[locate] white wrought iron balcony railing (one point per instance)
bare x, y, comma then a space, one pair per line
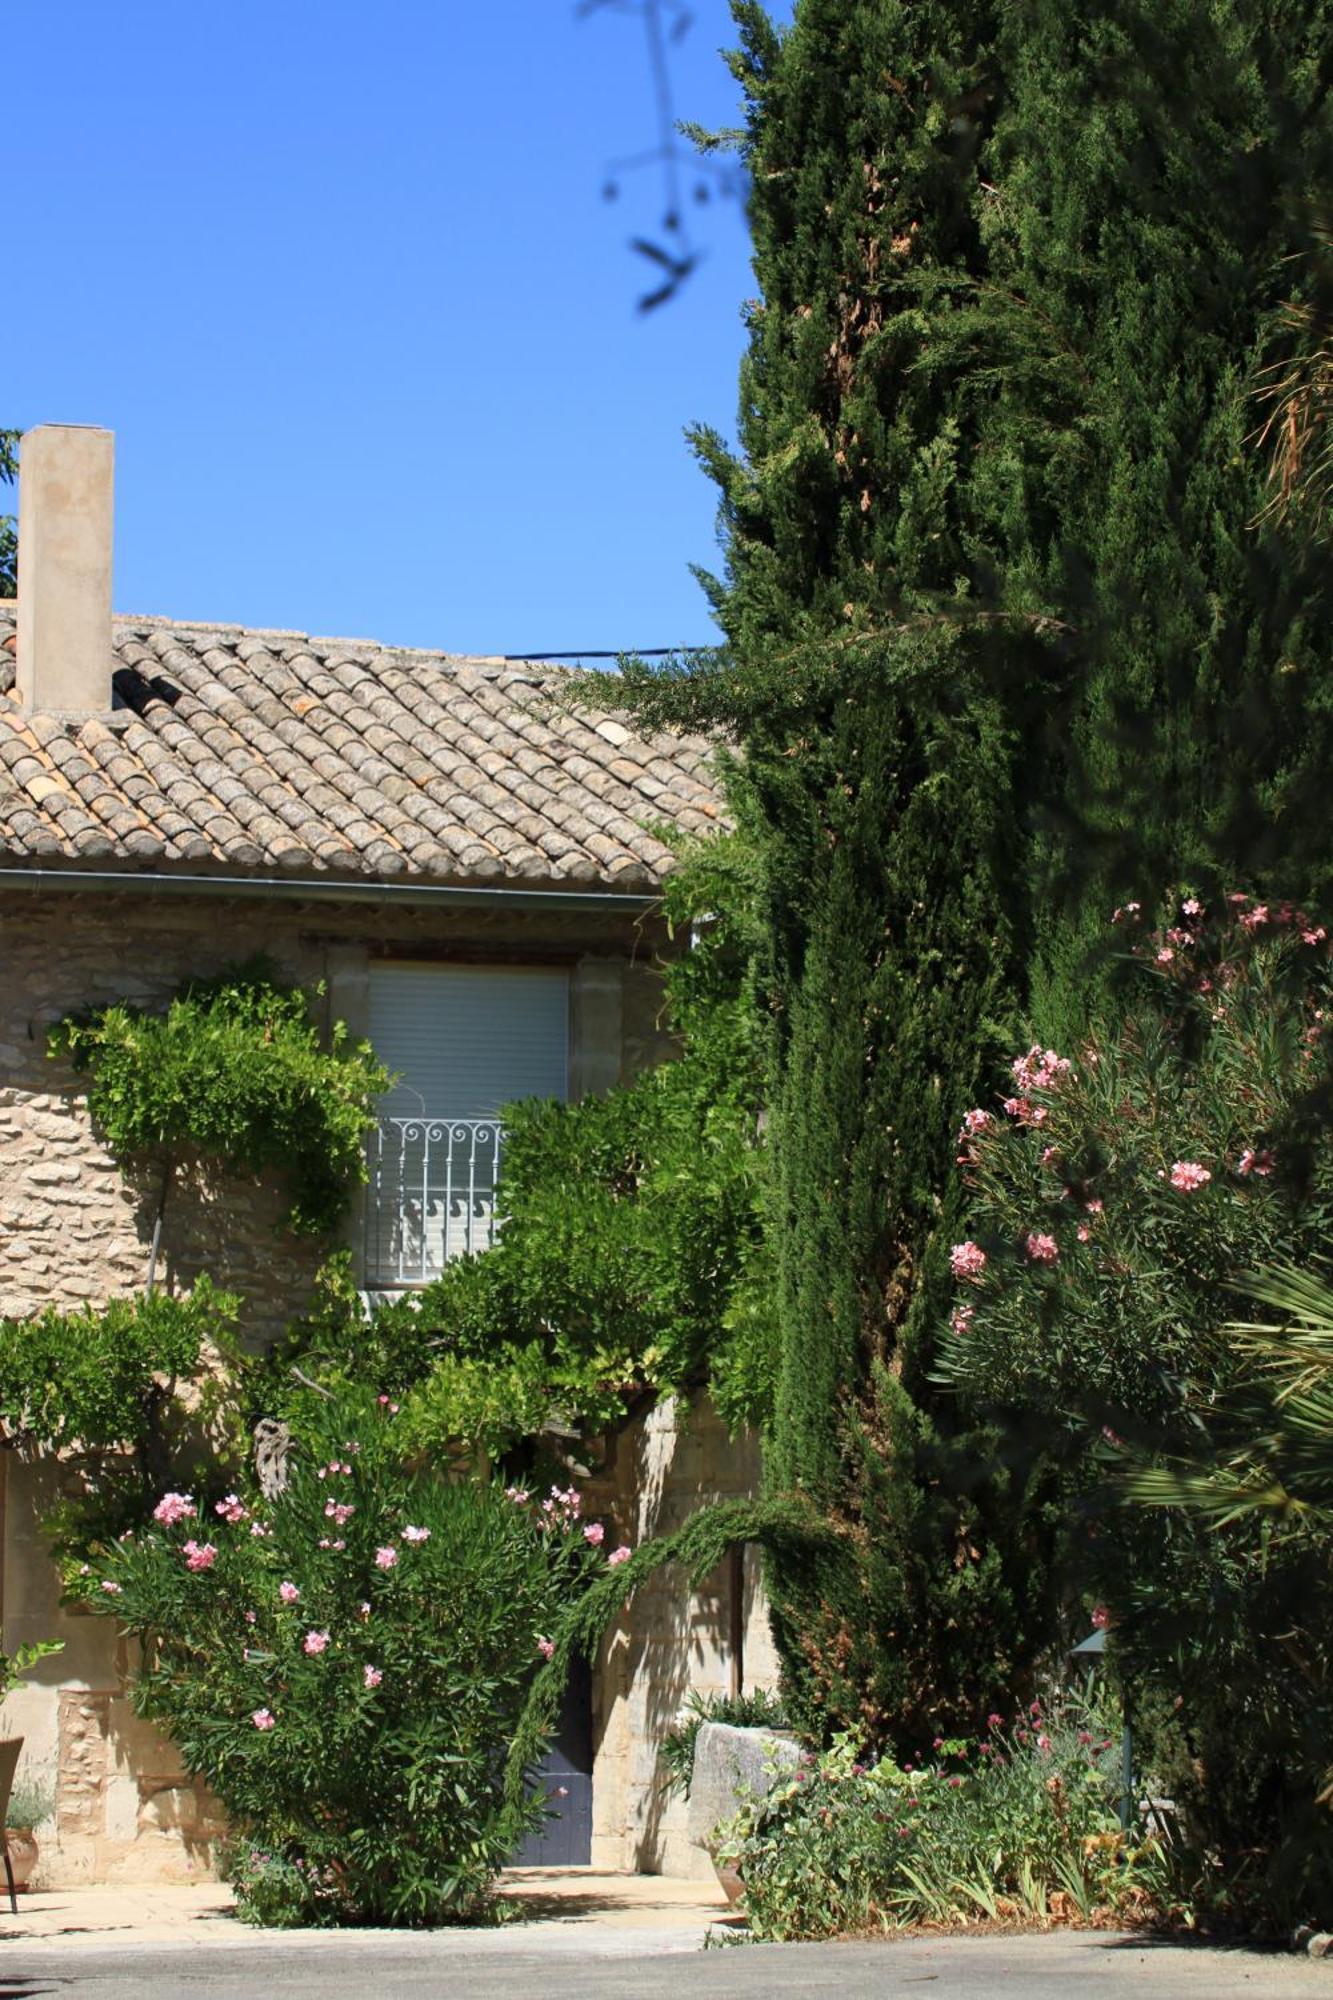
431, 1196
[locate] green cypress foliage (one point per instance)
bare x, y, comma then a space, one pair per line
1007, 639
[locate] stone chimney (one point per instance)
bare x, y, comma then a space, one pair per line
64, 580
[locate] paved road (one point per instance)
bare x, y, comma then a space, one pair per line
461, 1966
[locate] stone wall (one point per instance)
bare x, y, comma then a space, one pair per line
669, 1642
73, 1228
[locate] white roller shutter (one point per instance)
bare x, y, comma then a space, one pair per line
468, 1039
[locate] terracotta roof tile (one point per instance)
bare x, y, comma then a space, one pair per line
272, 751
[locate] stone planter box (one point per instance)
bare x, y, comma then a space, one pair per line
732, 1765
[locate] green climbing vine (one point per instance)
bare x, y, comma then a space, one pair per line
234, 1072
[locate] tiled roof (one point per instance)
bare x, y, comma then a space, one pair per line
262, 753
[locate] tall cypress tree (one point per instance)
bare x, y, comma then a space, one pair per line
1005, 635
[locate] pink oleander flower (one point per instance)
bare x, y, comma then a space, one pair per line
1315, 936
386, 1558
974, 1121
372, 1676
199, 1555
315, 1642
1253, 918
1083, 1232
546, 1647
111, 1589
938, 1744
1192, 906
961, 1318
338, 1512
230, 1509
1129, 910
263, 1718
1187, 1175
1039, 1069
954, 1783
416, 1534
1093, 1207
363, 1610
252, 1617
594, 1533
518, 1494
1101, 1617
618, 1556
967, 1260
174, 1507
995, 1722
1165, 955
1043, 1742
1251, 1162
259, 1530
1041, 1248
288, 1593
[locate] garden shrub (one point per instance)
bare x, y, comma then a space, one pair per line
132, 1387
344, 1665
1020, 1823
1121, 1194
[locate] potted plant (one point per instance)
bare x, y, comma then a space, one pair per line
30, 1803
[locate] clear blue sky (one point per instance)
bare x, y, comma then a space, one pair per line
340, 278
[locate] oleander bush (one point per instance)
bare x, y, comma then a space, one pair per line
1123, 1195
1021, 1824
344, 1663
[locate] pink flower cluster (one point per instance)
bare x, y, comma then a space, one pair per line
230, 1509
594, 1534
416, 1534
174, 1507
288, 1592
315, 1642
334, 1466
618, 1556
1187, 1175
1041, 1248
338, 1513
372, 1676
546, 1647
561, 1507
967, 1260
1039, 1069
974, 1122
386, 1558
263, 1718
1251, 1162
199, 1555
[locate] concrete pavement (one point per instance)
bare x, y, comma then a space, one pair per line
592, 1934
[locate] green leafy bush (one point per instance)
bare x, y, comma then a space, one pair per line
132, 1387
1022, 1823
344, 1664
235, 1073
1120, 1198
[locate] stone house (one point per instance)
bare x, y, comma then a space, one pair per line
469, 870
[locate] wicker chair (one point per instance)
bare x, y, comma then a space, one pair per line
10, 1746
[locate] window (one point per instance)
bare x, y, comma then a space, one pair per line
465, 1041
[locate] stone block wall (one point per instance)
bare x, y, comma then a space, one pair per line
74, 1229
669, 1642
